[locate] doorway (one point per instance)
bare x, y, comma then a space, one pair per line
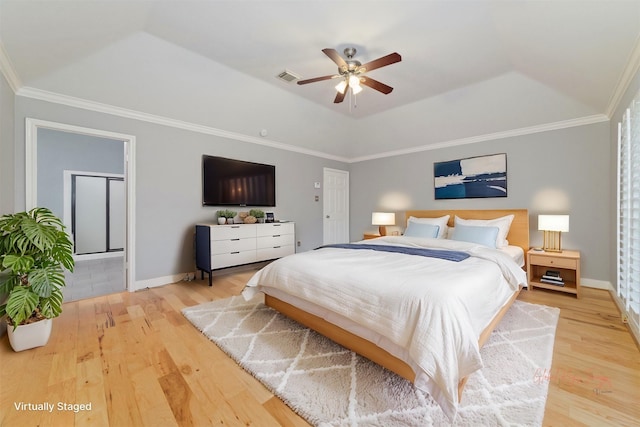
335, 206
62, 161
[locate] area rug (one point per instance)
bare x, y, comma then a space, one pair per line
331, 386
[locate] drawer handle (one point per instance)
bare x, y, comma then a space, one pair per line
233, 240
233, 253
277, 247
277, 225
276, 235
235, 226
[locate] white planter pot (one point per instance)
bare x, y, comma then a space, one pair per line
30, 336
222, 220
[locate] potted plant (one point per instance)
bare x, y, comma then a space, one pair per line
227, 215
258, 214
34, 252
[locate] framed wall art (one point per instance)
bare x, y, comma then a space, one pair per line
473, 177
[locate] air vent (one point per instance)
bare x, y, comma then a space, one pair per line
288, 76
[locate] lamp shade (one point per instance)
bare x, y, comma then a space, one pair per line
553, 223
383, 218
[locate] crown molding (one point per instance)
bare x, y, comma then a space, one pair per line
630, 71
70, 101
489, 137
8, 70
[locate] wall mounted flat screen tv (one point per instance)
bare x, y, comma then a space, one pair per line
229, 182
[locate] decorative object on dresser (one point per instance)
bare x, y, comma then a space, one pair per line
368, 236
382, 219
258, 214
227, 246
552, 226
226, 216
559, 271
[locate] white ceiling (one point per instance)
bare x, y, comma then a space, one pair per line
502, 65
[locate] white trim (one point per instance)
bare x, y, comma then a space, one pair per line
597, 284
71, 101
160, 281
31, 167
597, 118
8, 70
629, 72
102, 255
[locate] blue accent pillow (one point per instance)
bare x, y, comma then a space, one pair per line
485, 236
415, 229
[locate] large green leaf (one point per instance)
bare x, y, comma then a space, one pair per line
7, 282
18, 263
45, 280
21, 304
52, 306
40, 234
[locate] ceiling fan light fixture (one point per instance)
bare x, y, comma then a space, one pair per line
354, 84
342, 86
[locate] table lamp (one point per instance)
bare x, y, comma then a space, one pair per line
382, 219
552, 226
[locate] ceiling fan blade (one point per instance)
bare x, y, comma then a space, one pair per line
392, 58
335, 57
340, 96
315, 79
374, 84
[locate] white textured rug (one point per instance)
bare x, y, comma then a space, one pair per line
331, 386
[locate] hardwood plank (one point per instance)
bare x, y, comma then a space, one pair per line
138, 362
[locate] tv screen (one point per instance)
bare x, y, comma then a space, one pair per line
229, 182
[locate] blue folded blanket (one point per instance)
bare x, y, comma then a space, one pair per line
455, 256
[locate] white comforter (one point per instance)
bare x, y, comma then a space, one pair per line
433, 308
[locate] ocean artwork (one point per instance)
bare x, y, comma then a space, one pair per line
474, 177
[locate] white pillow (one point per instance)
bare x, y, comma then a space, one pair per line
440, 222
503, 224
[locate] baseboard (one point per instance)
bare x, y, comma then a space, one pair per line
192, 275
598, 284
159, 281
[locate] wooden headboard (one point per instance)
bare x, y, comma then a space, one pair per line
518, 233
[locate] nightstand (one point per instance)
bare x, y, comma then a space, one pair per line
370, 236
542, 267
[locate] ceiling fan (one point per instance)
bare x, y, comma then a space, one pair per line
351, 73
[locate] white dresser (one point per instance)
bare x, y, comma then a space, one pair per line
221, 246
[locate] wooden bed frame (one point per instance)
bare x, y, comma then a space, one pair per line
518, 236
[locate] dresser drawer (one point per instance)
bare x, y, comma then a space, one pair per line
275, 228
554, 262
273, 241
232, 245
239, 231
231, 259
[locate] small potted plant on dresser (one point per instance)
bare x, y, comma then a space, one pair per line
34, 252
226, 216
258, 214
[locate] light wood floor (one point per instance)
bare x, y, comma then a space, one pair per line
139, 362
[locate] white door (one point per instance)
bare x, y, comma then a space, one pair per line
335, 207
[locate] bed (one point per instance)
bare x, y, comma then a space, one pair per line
420, 316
